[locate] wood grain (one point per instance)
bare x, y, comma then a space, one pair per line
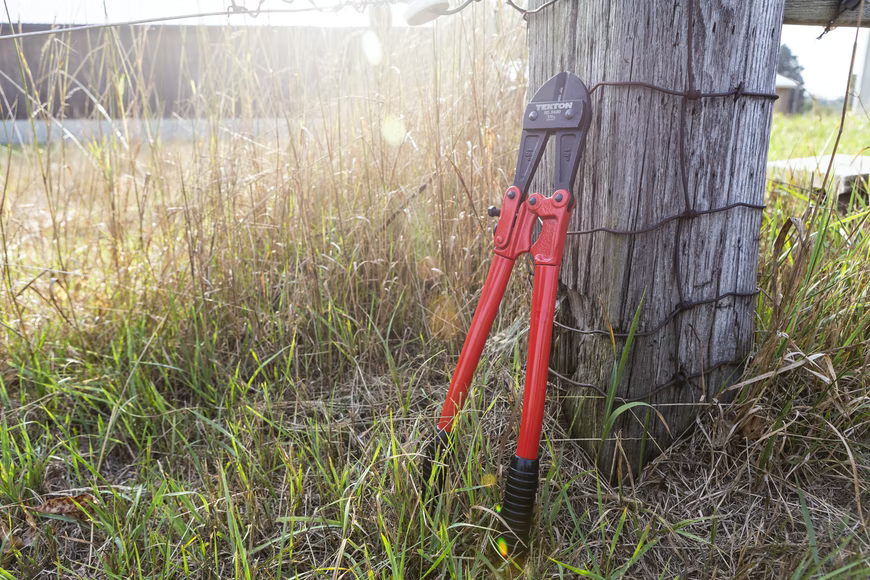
820, 13
630, 178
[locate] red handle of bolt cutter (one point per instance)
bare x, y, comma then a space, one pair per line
481, 324
540, 339
518, 506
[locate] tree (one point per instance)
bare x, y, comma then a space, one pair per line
788, 65
693, 278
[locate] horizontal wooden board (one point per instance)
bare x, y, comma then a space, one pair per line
820, 13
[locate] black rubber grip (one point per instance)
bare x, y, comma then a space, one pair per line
436, 447
518, 507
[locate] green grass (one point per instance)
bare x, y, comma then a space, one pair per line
240, 346
812, 134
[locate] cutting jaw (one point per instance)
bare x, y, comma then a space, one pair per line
559, 109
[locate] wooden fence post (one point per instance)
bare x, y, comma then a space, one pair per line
651, 156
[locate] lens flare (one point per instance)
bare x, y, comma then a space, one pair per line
501, 542
393, 130
372, 49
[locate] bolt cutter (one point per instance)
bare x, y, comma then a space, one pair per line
560, 111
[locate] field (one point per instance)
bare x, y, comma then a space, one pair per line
231, 349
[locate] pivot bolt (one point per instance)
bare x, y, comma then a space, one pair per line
512, 194
533, 200
558, 197
533, 115
569, 114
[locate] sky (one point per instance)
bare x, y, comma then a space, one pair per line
825, 61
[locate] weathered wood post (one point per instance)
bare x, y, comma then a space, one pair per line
652, 156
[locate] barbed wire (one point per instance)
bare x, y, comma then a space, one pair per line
236, 9
230, 11
358, 5
526, 12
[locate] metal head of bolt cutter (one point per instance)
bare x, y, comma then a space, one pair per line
561, 111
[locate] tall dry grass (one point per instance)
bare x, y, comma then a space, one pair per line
352, 200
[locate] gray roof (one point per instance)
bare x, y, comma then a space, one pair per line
786, 83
